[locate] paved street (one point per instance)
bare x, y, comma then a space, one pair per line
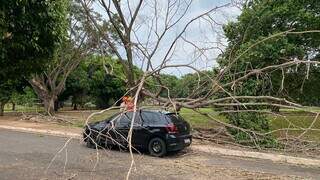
27, 156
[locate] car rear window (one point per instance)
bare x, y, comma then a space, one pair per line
175, 118
153, 118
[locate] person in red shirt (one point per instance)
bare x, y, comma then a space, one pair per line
127, 104
130, 104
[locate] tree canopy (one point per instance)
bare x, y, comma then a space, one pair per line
269, 33
90, 82
30, 31
264, 18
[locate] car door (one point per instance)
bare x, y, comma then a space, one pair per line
122, 126
151, 125
138, 132
109, 130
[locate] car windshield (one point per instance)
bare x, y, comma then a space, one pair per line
125, 117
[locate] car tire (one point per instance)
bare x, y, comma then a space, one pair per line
157, 147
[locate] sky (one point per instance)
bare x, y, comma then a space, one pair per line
205, 33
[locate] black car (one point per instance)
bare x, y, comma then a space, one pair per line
155, 131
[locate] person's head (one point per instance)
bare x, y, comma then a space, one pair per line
125, 99
129, 99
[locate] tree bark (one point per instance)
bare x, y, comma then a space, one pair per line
2, 108
13, 106
56, 105
49, 105
75, 107
47, 95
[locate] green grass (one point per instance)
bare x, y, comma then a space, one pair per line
95, 118
297, 121
197, 120
20, 108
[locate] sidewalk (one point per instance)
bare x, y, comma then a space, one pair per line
64, 131
41, 128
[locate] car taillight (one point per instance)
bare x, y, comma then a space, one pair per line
172, 129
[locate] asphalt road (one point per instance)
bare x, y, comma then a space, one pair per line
27, 156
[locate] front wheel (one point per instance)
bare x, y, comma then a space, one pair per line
157, 147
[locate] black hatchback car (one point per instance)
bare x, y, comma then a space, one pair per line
155, 131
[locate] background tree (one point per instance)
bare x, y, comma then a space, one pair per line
106, 86
93, 82
6, 90
81, 41
30, 32
77, 86
262, 19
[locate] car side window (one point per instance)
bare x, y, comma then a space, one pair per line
101, 125
122, 121
137, 118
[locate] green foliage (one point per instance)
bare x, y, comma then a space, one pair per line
6, 90
169, 82
77, 86
255, 122
261, 19
26, 98
29, 33
193, 84
90, 82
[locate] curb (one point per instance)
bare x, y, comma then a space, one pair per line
41, 131
258, 155
202, 148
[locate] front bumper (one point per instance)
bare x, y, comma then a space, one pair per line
175, 143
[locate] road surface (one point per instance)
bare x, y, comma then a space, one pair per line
27, 156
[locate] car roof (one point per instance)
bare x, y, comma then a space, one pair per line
157, 111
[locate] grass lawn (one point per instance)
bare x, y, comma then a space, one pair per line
20, 108
296, 121
197, 120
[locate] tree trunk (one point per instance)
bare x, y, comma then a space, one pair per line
47, 95
75, 106
13, 106
56, 105
2, 108
49, 105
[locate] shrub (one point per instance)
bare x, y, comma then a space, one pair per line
253, 122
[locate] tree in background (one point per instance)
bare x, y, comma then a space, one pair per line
6, 90
261, 19
30, 32
77, 86
93, 82
25, 97
80, 42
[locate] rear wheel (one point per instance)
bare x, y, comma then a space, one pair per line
157, 147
